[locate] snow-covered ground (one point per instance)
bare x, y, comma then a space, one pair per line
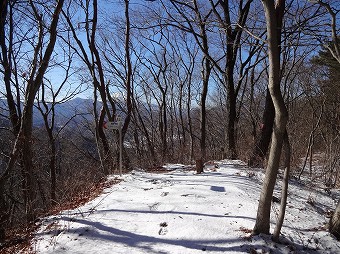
180, 212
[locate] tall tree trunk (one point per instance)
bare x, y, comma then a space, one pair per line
6, 63
262, 224
100, 135
190, 127
262, 144
231, 91
128, 81
206, 71
27, 159
5, 54
144, 129
233, 39
23, 141
3, 209
263, 140
203, 116
231, 131
53, 171
201, 38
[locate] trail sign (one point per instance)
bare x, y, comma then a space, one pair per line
117, 125
113, 125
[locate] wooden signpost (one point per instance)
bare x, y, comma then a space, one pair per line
117, 125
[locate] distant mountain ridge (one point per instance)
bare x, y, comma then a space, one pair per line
79, 109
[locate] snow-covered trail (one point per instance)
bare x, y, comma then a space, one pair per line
177, 212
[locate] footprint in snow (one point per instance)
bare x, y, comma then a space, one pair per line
163, 230
154, 207
164, 194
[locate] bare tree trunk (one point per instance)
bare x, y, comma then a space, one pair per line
233, 38
262, 144
201, 38
52, 144
206, 71
190, 128
27, 159
163, 124
310, 145
263, 140
284, 191
23, 141
334, 223
96, 70
6, 63
231, 130
205, 80
199, 166
94, 64
128, 81
147, 137
262, 224
5, 54
3, 209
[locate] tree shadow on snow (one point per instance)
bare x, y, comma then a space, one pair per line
152, 244
155, 212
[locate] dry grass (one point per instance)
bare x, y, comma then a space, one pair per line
18, 240
84, 195
246, 230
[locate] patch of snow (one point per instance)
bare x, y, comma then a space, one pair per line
184, 212
177, 167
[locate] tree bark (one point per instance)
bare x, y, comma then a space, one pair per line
24, 141
6, 63
93, 62
262, 224
263, 140
231, 130
206, 73
310, 145
334, 223
233, 38
13, 114
284, 191
261, 146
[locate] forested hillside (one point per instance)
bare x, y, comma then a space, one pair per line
90, 87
